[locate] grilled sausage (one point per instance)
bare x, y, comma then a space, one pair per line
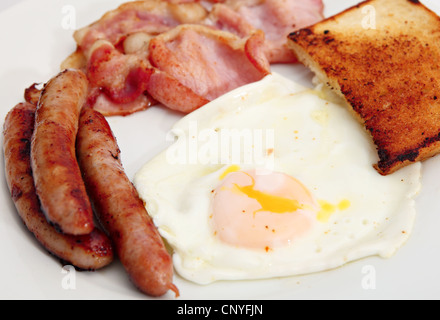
57, 176
32, 94
120, 210
88, 252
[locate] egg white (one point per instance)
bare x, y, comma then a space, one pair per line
316, 141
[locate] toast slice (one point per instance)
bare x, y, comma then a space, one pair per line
383, 58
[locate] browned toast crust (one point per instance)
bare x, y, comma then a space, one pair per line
390, 76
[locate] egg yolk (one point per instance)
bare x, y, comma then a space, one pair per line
261, 210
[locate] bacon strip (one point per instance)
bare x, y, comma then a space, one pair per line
276, 18
102, 103
143, 52
117, 81
149, 16
206, 62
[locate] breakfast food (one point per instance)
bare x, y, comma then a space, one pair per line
149, 18
75, 157
183, 54
88, 252
140, 54
274, 17
382, 58
56, 173
308, 200
119, 208
195, 64
271, 180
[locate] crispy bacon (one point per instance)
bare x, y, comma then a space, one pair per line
117, 81
190, 66
184, 53
123, 77
102, 103
149, 16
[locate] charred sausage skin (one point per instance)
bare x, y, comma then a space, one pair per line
120, 210
88, 252
57, 176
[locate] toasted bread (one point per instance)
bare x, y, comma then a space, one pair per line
383, 58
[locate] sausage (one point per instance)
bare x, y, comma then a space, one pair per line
87, 252
119, 208
32, 94
57, 176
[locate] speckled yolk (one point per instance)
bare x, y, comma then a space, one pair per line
265, 211
260, 210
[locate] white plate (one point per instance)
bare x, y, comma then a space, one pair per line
36, 36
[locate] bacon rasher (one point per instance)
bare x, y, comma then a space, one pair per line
184, 53
276, 18
149, 16
203, 64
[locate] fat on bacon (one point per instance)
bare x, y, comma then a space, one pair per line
204, 64
184, 53
276, 18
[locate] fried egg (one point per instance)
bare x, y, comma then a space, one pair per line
273, 180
